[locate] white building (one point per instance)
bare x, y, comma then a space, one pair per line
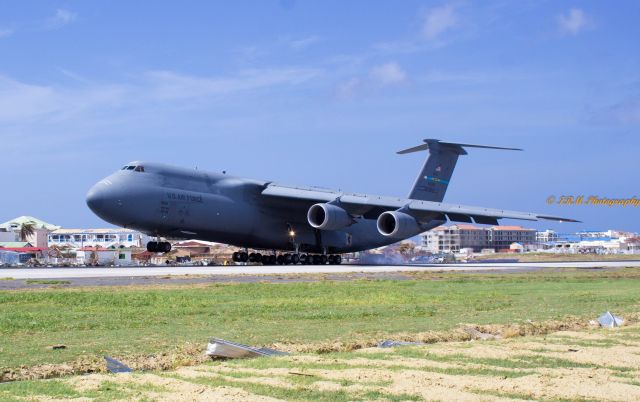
8, 236
104, 238
546, 236
10, 231
101, 256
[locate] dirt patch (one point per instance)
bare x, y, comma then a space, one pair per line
176, 390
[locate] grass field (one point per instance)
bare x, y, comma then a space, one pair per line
125, 322
591, 365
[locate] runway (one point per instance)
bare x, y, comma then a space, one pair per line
116, 272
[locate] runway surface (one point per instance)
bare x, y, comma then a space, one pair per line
67, 273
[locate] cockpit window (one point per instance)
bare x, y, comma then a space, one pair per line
124, 168
130, 167
139, 169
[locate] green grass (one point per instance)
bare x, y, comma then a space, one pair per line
46, 282
57, 389
124, 321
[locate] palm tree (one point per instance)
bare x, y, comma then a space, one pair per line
27, 229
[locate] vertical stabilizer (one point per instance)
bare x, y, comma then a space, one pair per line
434, 178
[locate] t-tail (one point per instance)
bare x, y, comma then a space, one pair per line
433, 180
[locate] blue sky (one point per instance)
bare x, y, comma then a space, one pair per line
323, 93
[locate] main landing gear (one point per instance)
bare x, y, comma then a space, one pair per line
286, 259
158, 247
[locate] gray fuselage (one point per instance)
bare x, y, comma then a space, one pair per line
174, 202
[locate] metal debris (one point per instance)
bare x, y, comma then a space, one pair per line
391, 344
115, 366
609, 320
219, 348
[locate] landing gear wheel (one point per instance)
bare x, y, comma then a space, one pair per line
316, 260
288, 259
280, 259
337, 260
244, 257
331, 260
295, 259
252, 257
166, 247
257, 258
323, 259
152, 247
273, 260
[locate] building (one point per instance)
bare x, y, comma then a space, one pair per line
10, 230
546, 236
501, 237
104, 238
102, 256
8, 236
451, 239
455, 238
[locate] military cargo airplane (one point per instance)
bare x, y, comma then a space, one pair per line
312, 225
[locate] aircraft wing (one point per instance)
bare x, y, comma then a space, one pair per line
370, 206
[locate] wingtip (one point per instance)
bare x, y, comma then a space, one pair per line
558, 219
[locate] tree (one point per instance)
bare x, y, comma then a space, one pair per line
27, 229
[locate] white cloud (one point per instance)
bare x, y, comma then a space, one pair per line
167, 85
388, 74
439, 20
574, 21
5, 32
61, 18
349, 89
22, 102
380, 76
303, 43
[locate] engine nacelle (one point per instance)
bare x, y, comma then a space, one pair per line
397, 225
328, 217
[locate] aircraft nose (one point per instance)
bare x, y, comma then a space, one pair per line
96, 197
101, 198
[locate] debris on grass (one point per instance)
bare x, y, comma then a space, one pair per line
57, 347
392, 344
219, 348
191, 354
116, 367
608, 320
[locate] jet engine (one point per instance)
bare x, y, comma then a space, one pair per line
328, 217
398, 225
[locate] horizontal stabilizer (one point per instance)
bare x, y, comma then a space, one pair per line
429, 143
